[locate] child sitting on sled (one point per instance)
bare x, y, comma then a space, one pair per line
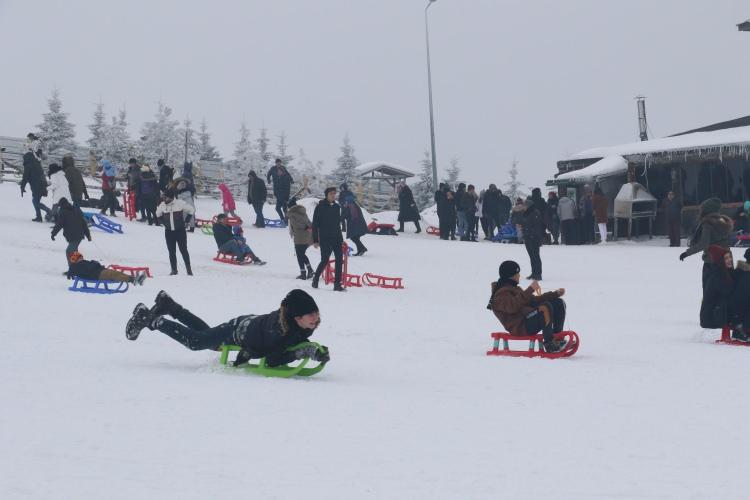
231, 240
259, 336
93, 270
522, 313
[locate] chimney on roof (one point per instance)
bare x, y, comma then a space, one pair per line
642, 124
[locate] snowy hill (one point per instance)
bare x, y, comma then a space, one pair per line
409, 407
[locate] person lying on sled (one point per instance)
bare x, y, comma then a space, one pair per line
259, 336
93, 270
522, 313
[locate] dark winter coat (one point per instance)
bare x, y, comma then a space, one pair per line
75, 180
440, 198
468, 203
458, 196
222, 233
552, 204
166, 175
716, 294
149, 186
533, 222
263, 337
714, 229
256, 191
326, 223
86, 269
300, 226
672, 211
134, 179
355, 221
491, 203
601, 208
740, 300
510, 303
72, 222
282, 186
407, 207
505, 206
33, 175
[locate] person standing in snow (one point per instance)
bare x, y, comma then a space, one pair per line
58, 187
739, 302
469, 206
185, 191
407, 208
227, 201
491, 211
504, 211
356, 227
673, 218
300, 229
522, 313
149, 194
175, 215
326, 234
282, 187
74, 227
260, 336
256, 196
586, 214
133, 175
566, 212
109, 199
166, 175
601, 206
714, 228
534, 231
33, 175
553, 220
75, 181
717, 288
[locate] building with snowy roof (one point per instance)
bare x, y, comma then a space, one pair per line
702, 163
379, 181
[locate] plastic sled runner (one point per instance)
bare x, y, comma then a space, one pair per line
230, 258
99, 221
282, 371
533, 351
98, 286
131, 270
726, 338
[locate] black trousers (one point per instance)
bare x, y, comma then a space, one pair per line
673, 227
301, 252
534, 321
108, 201
177, 239
260, 221
532, 248
194, 333
358, 242
445, 226
567, 230
326, 248
281, 207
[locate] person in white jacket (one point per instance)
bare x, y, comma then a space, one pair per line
175, 215
59, 188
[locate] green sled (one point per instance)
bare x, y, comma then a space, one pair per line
207, 230
283, 371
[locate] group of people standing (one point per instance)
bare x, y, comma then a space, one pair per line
463, 211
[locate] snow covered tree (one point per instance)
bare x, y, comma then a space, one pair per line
191, 147
513, 185
262, 145
245, 159
56, 131
98, 129
423, 194
207, 151
453, 173
160, 138
282, 150
116, 145
346, 164
312, 171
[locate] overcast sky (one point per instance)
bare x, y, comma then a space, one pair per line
534, 80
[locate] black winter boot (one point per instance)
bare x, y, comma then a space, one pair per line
164, 304
138, 321
302, 275
315, 280
338, 288
310, 271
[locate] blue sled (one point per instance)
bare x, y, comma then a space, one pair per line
98, 286
506, 234
100, 222
275, 223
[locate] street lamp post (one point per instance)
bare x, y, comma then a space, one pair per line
429, 88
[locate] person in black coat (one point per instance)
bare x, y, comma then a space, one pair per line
74, 227
672, 218
33, 175
407, 209
739, 301
256, 196
440, 208
149, 194
718, 284
166, 175
534, 232
260, 336
491, 211
282, 187
326, 233
505, 206
356, 227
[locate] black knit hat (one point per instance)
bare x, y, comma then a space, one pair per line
298, 303
160, 163
508, 269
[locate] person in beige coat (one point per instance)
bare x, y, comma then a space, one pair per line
300, 229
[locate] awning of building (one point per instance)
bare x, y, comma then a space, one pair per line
383, 169
609, 165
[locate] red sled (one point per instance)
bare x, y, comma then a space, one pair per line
347, 280
230, 258
131, 270
230, 221
726, 337
370, 279
128, 204
202, 222
533, 351
435, 231
386, 229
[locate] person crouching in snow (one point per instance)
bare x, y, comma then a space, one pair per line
230, 240
521, 313
739, 302
259, 336
227, 201
93, 270
718, 285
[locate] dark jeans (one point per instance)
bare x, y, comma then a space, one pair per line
108, 202
236, 248
281, 208
260, 221
532, 248
401, 227
674, 233
534, 321
471, 227
326, 248
586, 234
491, 223
446, 222
38, 206
360, 246
194, 333
177, 239
567, 229
72, 247
555, 229
302, 260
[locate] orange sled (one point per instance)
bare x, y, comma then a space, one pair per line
533, 351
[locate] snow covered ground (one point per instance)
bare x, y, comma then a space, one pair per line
409, 407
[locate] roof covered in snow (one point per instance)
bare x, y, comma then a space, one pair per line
387, 169
686, 142
609, 165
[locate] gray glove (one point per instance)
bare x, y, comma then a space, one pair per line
313, 352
